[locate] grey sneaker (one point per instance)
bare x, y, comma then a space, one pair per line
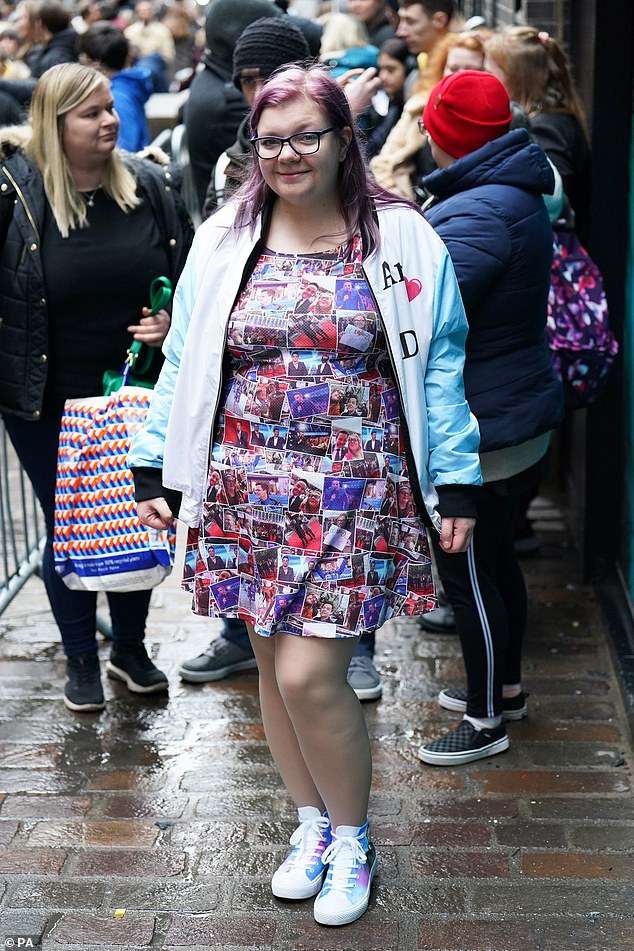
221, 658
439, 621
364, 678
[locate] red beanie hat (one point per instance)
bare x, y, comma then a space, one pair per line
466, 110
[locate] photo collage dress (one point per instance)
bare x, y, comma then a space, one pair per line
309, 525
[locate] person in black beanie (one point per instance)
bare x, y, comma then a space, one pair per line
215, 107
262, 47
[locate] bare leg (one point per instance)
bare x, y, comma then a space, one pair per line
278, 728
314, 723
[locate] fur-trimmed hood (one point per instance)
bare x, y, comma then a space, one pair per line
13, 138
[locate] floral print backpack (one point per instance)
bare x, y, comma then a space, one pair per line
582, 346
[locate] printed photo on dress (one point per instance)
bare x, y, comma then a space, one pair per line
308, 401
357, 332
267, 490
353, 294
303, 531
341, 494
339, 528
311, 438
266, 560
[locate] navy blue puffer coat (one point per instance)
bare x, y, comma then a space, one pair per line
490, 213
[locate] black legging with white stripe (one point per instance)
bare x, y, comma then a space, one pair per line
486, 588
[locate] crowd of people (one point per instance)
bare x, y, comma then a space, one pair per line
378, 189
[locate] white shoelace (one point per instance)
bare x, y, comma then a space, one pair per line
307, 836
344, 855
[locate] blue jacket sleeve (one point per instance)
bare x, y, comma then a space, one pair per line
148, 444
454, 437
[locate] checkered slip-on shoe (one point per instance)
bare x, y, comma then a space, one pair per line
301, 874
513, 708
464, 745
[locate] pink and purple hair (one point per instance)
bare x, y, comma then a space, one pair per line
359, 193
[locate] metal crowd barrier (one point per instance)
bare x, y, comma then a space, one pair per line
22, 531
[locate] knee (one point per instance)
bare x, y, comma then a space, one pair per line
302, 689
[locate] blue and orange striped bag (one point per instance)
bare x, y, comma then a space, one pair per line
99, 543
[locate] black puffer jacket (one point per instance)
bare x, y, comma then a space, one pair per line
23, 303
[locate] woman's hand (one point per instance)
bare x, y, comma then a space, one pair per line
151, 330
155, 513
360, 91
455, 534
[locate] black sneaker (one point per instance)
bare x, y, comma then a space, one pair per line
513, 708
464, 745
83, 692
134, 667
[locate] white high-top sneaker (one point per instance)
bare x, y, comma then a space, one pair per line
352, 861
302, 872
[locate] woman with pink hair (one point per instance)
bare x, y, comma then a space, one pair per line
309, 201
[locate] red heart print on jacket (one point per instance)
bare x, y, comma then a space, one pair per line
414, 287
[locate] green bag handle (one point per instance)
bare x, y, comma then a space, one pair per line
160, 296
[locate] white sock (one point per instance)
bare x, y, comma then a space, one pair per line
308, 812
354, 832
511, 690
483, 723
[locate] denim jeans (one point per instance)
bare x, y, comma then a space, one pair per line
74, 611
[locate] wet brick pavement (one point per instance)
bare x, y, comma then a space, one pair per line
172, 810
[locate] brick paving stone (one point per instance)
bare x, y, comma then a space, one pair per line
556, 754
7, 831
469, 808
32, 861
93, 832
448, 834
578, 865
365, 935
553, 782
544, 730
129, 863
57, 895
598, 933
173, 897
531, 834
187, 834
104, 929
567, 709
133, 806
34, 757
613, 838
531, 897
459, 864
36, 781
216, 931
600, 810
43, 806
436, 935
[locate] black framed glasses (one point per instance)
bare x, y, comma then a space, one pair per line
421, 128
302, 143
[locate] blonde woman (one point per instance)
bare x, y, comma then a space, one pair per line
82, 234
402, 159
536, 73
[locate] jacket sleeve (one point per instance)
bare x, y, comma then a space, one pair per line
454, 437
478, 244
146, 451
